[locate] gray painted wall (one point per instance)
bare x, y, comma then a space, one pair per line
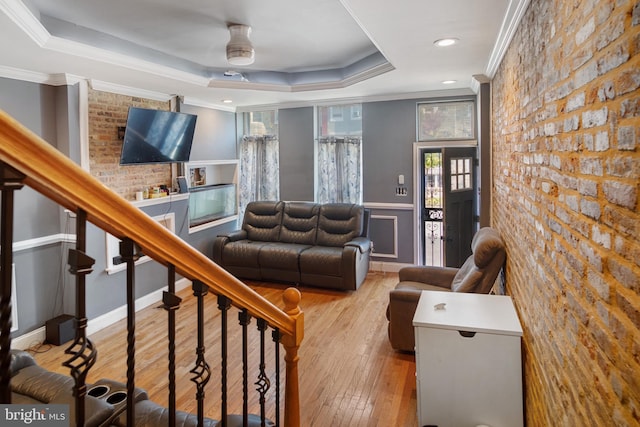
296, 154
38, 272
388, 134
389, 131
215, 134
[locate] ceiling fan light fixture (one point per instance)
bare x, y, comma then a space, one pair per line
239, 49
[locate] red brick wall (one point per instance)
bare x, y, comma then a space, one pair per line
566, 172
107, 111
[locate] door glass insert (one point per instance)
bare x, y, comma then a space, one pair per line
461, 171
433, 209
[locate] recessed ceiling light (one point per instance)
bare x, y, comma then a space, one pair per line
446, 42
448, 82
227, 101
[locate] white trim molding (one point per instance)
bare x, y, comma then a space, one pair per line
510, 23
129, 91
394, 254
389, 206
52, 239
38, 336
387, 267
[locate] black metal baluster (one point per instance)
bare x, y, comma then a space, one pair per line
263, 382
224, 304
130, 254
244, 318
201, 371
171, 303
10, 180
276, 339
83, 352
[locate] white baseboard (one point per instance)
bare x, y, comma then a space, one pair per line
387, 267
38, 336
30, 339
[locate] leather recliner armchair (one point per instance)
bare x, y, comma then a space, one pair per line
478, 275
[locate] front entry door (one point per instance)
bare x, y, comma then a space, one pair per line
448, 204
460, 191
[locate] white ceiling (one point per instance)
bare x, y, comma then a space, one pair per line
307, 51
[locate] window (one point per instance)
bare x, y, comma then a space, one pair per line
446, 120
461, 174
261, 123
259, 175
339, 154
335, 114
340, 120
356, 112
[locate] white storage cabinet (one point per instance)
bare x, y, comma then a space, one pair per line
468, 360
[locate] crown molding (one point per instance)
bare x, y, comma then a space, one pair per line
510, 23
187, 100
129, 91
59, 79
24, 18
418, 96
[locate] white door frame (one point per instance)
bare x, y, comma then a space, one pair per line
418, 229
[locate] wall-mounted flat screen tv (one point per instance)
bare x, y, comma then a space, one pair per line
154, 136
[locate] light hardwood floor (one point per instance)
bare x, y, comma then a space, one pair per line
349, 375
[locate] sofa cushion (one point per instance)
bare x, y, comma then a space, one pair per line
281, 256
467, 278
242, 253
43, 385
299, 223
323, 260
339, 223
262, 221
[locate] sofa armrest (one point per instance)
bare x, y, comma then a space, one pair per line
362, 243
437, 276
222, 239
400, 312
235, 235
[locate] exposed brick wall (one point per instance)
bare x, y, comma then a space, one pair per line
107, 111
566, 173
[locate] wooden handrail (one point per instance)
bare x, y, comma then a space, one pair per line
57, 177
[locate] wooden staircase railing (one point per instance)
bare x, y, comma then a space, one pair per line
25, 159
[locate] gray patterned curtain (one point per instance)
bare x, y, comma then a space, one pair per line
340, 170
259, 170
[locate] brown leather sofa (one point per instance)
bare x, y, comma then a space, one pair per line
478, 275
323, 245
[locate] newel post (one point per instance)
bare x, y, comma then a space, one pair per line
291, 344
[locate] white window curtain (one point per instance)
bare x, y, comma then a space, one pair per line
259, 170
340, 170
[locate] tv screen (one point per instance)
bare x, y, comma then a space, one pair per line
153, 136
